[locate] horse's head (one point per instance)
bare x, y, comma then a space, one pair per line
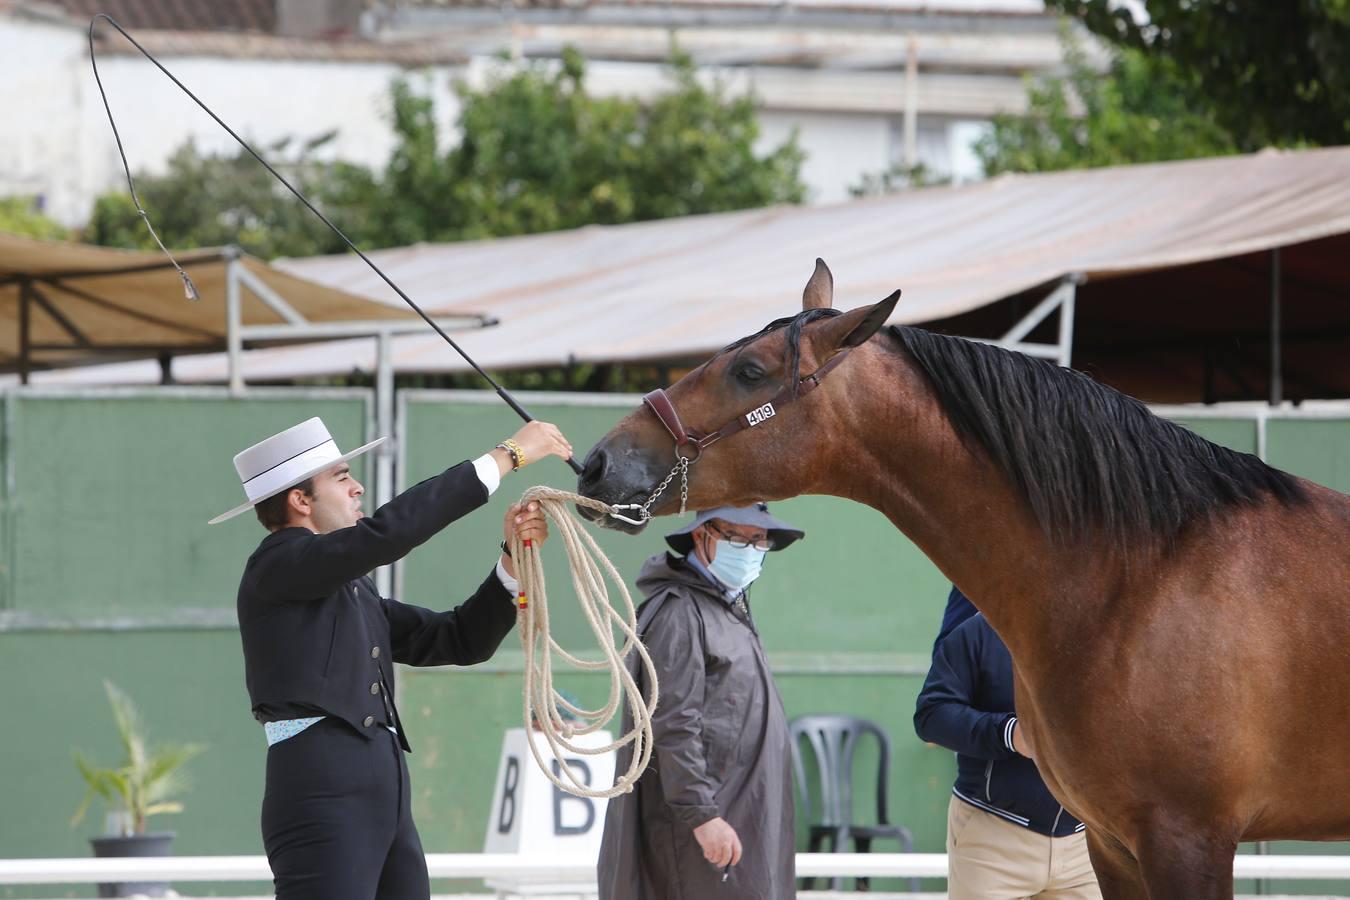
748, 420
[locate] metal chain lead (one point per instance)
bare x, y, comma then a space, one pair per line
644, 509
681, 467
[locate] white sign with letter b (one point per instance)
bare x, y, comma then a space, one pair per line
531, 815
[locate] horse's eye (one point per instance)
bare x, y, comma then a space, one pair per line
750, 374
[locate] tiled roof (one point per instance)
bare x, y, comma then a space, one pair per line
223, 45
181, 15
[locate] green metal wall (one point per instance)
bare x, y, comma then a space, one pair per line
110, 571
109, 496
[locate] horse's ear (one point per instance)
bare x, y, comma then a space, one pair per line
853, 327
819, 293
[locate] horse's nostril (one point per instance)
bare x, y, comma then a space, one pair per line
593, 470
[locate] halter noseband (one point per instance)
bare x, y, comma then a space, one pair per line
658, 401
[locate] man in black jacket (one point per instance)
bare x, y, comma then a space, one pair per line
320, 644
1007, 836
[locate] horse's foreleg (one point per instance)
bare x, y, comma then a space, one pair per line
1118, 873
1182, 862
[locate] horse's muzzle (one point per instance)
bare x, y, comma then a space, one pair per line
601, 479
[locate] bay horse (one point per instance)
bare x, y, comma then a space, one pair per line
1178, 613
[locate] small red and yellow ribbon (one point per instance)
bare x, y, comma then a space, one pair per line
522, 602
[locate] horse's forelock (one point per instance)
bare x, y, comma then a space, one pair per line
793, 340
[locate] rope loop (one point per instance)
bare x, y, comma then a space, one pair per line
590, 569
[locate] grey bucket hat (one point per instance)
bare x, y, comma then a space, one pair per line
754, 516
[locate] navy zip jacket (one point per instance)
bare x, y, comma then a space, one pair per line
966, 705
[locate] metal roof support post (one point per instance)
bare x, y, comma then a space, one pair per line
1062, 299
25, 328
1066, 323
384, 425
234, 340
1276, 375
263, 292
911, 150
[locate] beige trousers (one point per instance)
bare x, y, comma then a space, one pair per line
989, 858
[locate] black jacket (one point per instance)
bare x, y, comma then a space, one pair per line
318, 638
966, 705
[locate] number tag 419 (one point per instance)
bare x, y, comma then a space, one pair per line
759, 416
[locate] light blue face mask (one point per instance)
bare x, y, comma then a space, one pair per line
736, 567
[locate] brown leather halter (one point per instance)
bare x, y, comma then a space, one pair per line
659, 403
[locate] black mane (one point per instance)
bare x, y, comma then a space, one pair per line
1089, 460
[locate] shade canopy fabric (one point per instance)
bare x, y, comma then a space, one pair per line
84, 303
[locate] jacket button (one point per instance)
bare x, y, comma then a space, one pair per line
374, 652
368, 721
375, 688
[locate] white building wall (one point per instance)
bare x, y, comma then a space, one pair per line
55, 141
42, 144
840, 148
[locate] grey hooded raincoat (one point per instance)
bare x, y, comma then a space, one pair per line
721, 750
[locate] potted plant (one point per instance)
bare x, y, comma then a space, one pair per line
142, 786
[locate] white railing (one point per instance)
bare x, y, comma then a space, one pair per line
565, 870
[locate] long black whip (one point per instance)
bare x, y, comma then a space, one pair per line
191, 289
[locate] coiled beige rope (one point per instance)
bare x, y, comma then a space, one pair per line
589, 567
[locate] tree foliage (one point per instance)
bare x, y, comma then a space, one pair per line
20, 215
1273, 72
899, 177
535, 153
209, 200
1139, 110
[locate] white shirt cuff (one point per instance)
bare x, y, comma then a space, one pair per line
488, 473
507, 581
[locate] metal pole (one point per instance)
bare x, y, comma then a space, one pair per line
25, 325
234, 342
912, 103
384, 425
1066, 323
1262, 848
1276, 378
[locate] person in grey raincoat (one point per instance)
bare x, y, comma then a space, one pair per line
712, 817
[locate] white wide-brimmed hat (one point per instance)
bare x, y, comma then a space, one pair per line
286, 459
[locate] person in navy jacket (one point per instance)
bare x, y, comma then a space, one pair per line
1007, 836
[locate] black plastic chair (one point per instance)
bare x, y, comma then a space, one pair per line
833, 740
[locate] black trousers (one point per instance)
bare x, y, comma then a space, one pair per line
336, 822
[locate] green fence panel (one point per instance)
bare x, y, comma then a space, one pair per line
1236, 433
113, 491
104, 542
189, 687
1318, 449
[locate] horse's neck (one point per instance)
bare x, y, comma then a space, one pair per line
960, 511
